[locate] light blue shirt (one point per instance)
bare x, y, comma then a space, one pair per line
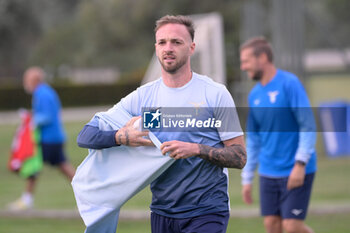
192, 186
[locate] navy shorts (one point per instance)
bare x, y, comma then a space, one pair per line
53, 154
209, 223
275, 199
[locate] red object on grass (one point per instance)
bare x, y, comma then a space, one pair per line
23, 144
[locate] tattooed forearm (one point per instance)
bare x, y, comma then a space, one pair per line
126, 138
233, 156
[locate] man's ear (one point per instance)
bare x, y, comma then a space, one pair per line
263, 58
192, 47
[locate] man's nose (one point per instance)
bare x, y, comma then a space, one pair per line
169, 47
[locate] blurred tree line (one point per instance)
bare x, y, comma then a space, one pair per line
91, 33
117, 33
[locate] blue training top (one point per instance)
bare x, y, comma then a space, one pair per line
280, 128
47, 114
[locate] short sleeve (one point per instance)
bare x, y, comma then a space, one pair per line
226, 111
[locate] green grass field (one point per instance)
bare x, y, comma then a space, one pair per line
338, 223
332, 185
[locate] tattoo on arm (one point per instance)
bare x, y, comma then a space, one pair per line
126, 138
122, 134
233, 156
119, 139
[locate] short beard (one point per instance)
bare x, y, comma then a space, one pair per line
173, 70
258, 75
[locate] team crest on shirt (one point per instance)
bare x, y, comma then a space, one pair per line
197, 105
273, 96
256, 101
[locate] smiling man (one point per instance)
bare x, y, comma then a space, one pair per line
191, 195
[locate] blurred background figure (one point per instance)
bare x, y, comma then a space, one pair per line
286, 156
46, 110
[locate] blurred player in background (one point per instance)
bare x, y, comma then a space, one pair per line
46, 111
280, 138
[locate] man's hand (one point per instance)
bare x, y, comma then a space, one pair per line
130, 136
179, 149
247, 194
296, 177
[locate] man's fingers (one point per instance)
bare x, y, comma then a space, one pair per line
174, 154
146, 142
132, 121
165, 144
141, 142
168, 144
290, 183
162, 146
142, 133
165, 148
294, 184
247, 198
